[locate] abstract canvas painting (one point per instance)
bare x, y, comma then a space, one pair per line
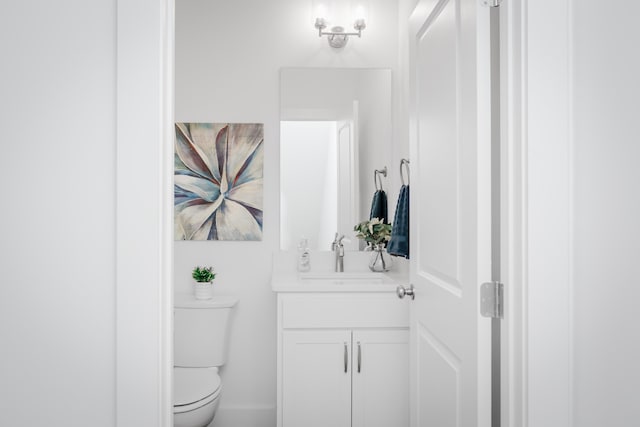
218, 174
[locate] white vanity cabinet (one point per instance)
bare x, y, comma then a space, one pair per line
342, 360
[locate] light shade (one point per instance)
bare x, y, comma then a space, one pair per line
320, 10
359, 10
338, 15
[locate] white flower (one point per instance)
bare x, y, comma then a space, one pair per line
373, 222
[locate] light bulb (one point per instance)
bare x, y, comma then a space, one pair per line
359, 13
321, 10
320, 13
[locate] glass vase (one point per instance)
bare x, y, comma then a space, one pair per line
380, 260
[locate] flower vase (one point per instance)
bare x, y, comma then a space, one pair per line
380, 259
203, 290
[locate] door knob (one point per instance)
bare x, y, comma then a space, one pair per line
402, 291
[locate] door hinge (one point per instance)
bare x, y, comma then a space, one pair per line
492, 300
491, 3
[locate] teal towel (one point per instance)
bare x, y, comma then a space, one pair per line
379, 206
399, 243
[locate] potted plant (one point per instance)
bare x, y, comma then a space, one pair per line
204, 282
376, 233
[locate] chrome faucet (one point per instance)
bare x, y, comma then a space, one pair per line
338, 248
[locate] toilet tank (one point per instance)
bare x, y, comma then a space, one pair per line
201, 330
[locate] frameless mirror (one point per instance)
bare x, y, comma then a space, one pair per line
335, 131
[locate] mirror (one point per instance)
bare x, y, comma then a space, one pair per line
335, 131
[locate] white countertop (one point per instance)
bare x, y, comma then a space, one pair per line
356, 277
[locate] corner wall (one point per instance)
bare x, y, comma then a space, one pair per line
58, 244
228, 57
606, 175
583, 344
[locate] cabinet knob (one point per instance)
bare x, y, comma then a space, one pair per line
403, 291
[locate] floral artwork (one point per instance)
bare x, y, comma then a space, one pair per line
218, 181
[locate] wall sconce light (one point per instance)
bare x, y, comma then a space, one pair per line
324, 13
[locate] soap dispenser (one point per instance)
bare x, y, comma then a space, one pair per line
304, 256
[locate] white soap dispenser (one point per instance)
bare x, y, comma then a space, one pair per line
304, 255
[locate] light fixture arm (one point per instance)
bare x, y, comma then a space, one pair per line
337, 33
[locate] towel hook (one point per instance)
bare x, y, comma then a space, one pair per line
377, 179
404, 162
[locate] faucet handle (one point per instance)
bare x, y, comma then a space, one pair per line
337, 242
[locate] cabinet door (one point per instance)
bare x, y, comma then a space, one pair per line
381, 378
316, 388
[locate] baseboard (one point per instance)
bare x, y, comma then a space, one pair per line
245, 416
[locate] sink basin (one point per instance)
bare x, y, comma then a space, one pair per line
352, 278
356, 278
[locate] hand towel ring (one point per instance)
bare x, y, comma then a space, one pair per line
404, 162
376, 177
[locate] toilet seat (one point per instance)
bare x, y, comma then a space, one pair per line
194, 388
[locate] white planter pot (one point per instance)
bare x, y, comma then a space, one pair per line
203, 290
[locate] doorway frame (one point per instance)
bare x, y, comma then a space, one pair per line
537, 134
513, 213
145, 99
144, 213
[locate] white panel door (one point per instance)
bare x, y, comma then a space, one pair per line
380, 378
450, 213
316, 378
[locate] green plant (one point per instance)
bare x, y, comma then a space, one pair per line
203, 274
374, 231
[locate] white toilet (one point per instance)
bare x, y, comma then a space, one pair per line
201, 334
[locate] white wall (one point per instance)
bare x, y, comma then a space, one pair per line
376, 143
606, 217
548, 184
228, 56
57, 245
84, 307
582, 110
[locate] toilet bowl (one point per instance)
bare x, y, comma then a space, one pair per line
196, 396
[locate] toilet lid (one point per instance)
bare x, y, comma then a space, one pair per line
194, 384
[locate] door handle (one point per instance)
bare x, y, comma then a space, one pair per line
346, 357
359, 356
403, 291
